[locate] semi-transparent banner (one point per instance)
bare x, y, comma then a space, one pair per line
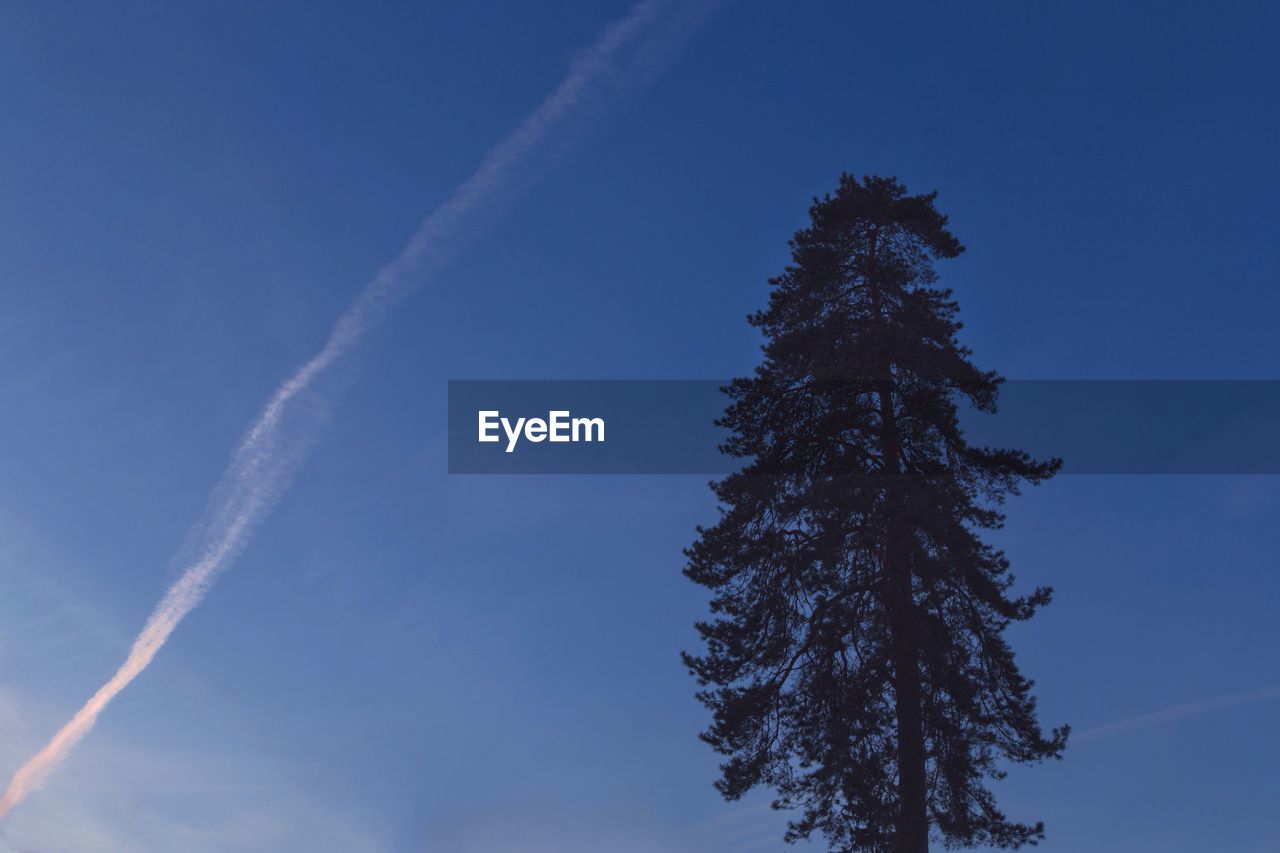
667, 426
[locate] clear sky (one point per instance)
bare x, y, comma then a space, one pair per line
408, 661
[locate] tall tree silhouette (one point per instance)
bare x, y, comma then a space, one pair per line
855, 661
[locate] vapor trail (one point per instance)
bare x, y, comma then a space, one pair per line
1177, 712
626, 54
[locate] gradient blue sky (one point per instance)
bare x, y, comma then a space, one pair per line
408, 661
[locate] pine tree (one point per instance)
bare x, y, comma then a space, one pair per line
855, 661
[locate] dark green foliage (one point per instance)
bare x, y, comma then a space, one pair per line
855, 661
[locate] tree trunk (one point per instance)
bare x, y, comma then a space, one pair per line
913, 816
913, 819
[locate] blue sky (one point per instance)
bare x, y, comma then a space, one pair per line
408, 661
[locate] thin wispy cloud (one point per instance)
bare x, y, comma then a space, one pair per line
1177, 712
626, 55
216, 798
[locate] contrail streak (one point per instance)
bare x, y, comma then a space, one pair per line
1177, 712
624, 56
